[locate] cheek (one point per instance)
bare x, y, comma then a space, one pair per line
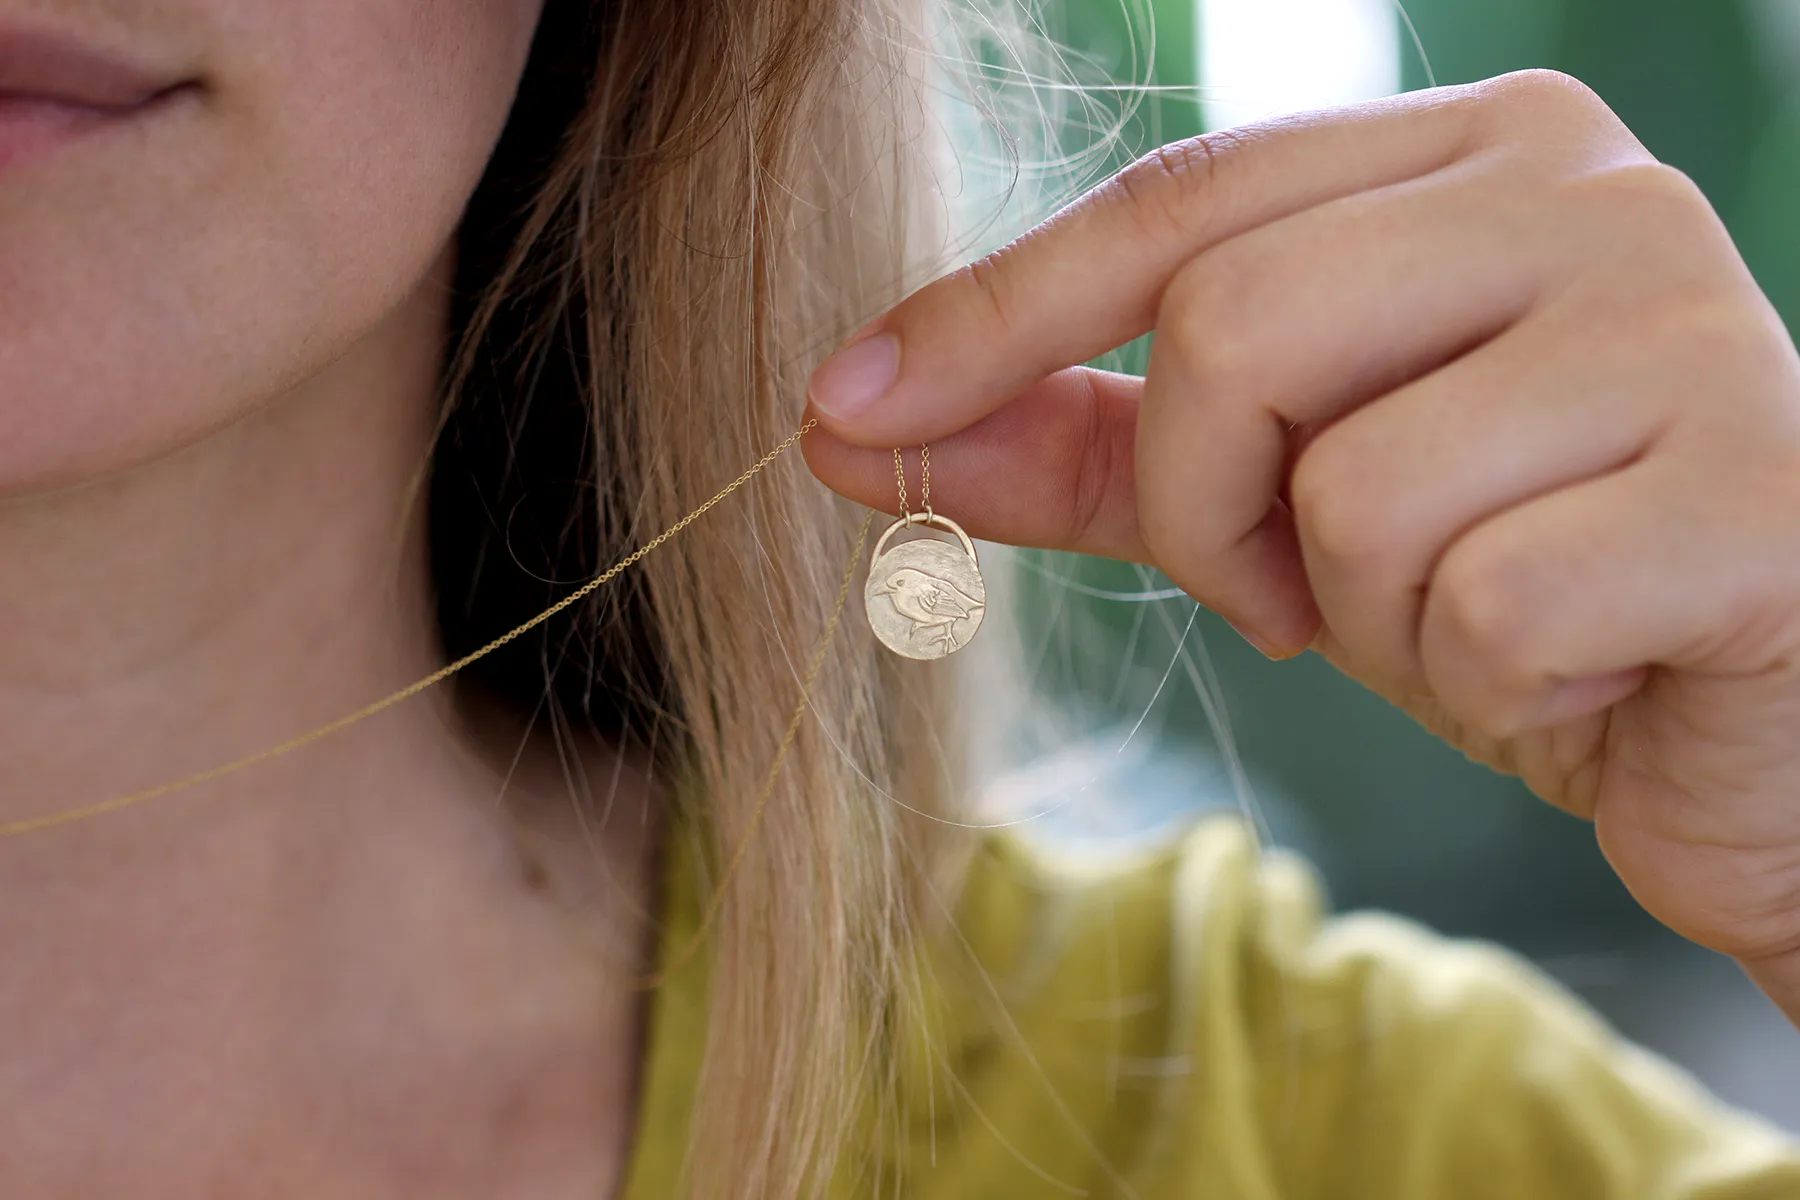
161, 278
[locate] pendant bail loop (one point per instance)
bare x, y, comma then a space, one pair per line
925, 597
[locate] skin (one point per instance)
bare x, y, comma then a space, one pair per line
363, 970
1464, 391
347, 973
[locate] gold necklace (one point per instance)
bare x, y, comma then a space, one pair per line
68, 816
925, 597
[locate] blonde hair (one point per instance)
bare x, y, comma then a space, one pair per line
731, 196
694, 201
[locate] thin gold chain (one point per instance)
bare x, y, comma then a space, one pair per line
717, 900
50, 820
924, 482
925, 479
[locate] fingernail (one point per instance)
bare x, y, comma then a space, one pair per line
1267, 648
853, 379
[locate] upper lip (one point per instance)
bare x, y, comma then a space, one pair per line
41, 65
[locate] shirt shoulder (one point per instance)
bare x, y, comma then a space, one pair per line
1186, 1022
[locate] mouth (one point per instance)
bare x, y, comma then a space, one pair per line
54, 87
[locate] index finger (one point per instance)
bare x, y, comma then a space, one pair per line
1091, 277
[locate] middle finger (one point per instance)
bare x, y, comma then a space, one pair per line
1303, 321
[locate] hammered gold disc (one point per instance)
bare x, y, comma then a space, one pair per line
925, 597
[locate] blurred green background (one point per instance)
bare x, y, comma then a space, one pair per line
1393, 818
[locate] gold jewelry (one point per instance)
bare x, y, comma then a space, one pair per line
925, 597
51, 820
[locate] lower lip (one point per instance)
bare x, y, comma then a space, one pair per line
32, 127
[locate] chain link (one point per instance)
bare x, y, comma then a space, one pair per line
924, 482
900, 480
925, 479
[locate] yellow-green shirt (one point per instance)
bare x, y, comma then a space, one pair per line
1187, 1025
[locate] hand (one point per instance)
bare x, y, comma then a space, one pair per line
1462, 389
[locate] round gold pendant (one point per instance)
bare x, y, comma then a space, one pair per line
925, 597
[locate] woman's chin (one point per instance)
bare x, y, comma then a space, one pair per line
78, 432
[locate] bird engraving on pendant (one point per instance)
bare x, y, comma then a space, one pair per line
925, 597
936, 607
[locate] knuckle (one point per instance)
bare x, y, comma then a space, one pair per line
1329, 504
1721, 350
992, 280
1652, 195
1339, 516
1201, 317
1559, 116
1718, 336
1163, 193
1482, 599
1539, 91
1105, 459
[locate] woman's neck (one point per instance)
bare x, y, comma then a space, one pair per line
358, 901
256, 582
